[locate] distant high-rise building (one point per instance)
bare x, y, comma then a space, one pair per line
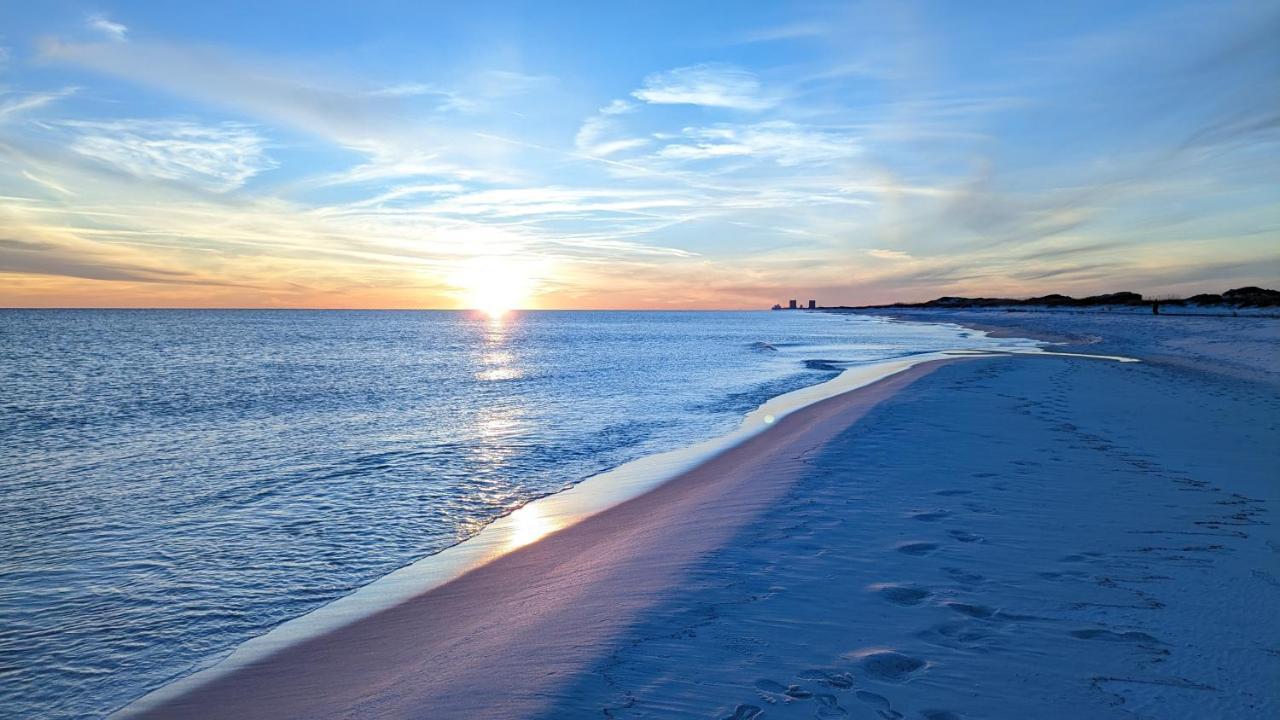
792, 305
813, 304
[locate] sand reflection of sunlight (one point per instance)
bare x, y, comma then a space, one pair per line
528, 524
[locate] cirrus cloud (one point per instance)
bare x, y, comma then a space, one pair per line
710, 84
786, 143
216, 157
108, 27
885, 254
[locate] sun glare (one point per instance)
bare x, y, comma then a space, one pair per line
495, 285
528, 524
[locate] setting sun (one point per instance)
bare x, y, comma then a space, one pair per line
495, 285
555, 360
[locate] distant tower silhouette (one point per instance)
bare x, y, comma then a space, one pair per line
792, 305
813, 304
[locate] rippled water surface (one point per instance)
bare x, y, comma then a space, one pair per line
175, 482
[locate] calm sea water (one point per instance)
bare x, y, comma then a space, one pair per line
175, 482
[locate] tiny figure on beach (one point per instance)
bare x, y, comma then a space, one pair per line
1155, 307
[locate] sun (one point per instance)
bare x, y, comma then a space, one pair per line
495, 285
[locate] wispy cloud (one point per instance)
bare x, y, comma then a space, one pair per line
783, 142
884, 254
61, 263
599, 134
888, 165
14, 104
344, 113
111, 29
69, 257
524, 202
347, 116
711, 85
789, 31
46, 183
479, 92
405, 90
218, 157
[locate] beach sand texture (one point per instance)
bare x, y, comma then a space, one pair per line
988, 538
494, 642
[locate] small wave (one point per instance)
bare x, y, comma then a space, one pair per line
828, 365
763, 346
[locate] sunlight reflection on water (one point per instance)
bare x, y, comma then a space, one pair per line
319, 451
497, 363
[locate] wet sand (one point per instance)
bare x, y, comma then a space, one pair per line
502, 640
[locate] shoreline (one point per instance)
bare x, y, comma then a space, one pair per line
1189, 342
534, 523
516, 634
527, 524
408, 662
999, 539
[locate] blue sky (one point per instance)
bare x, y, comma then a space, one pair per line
647, 155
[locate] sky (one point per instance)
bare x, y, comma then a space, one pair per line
633, 155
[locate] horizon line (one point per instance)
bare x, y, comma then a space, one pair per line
394, 309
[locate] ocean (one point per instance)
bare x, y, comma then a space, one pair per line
177, 482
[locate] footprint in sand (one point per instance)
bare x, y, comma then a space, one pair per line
830, 678
795, 692
745, 712
875, 700
966, 635
890, 666
916, 548
905, 595
770, 687
829, 706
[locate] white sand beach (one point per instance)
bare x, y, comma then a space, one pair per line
1010, 537
657, 360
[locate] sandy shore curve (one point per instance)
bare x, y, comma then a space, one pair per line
496, 641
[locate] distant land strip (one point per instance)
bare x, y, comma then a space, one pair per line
1239, 298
